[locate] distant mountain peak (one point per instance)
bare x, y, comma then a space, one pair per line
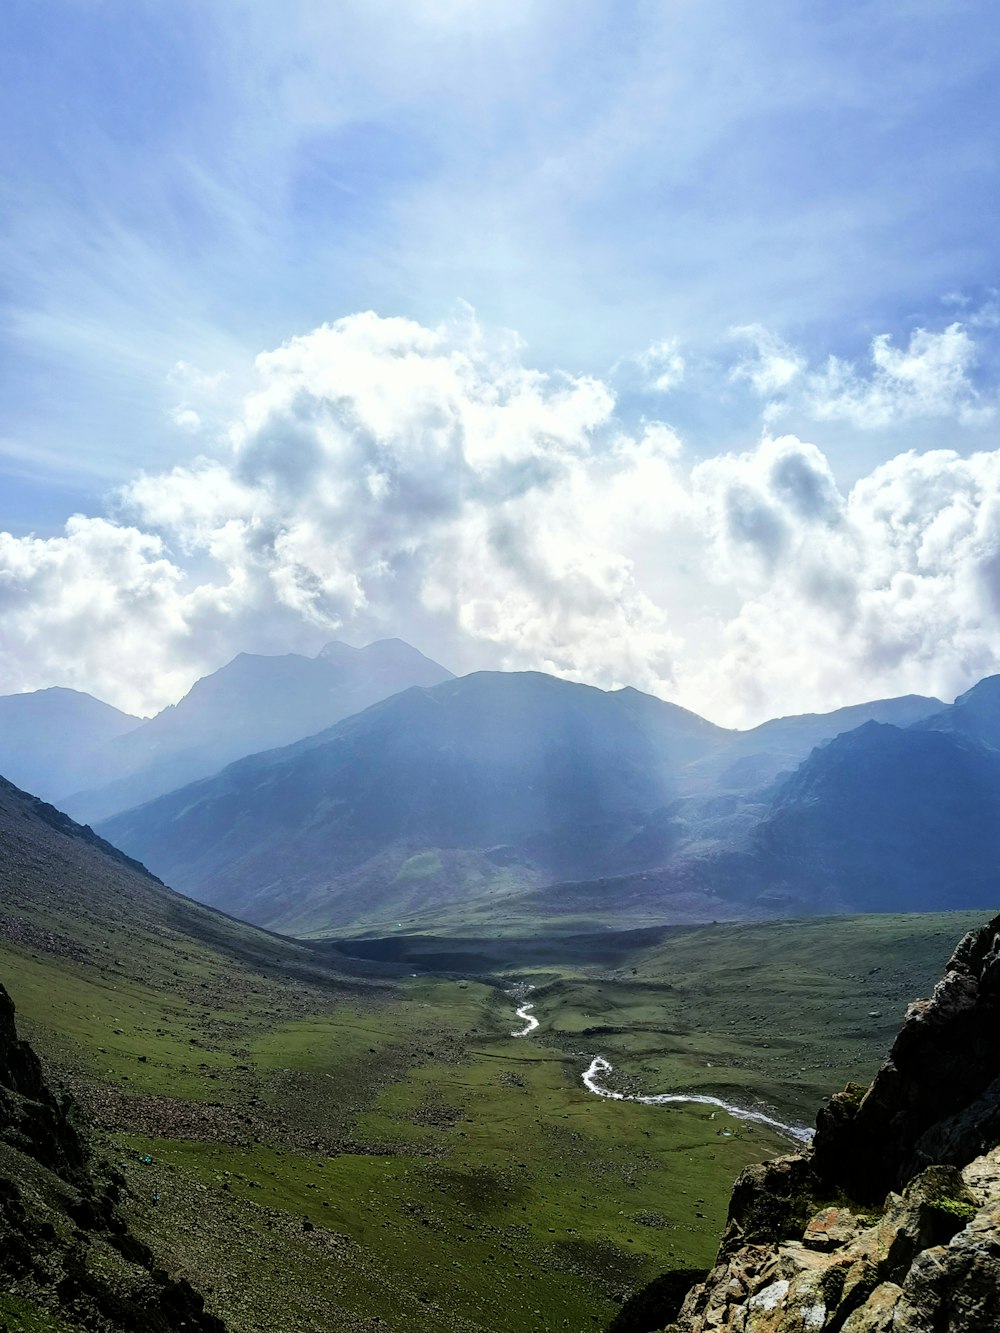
47, 736
392, 651
256, 702
975, 714
69, 697
987, 688
335, 651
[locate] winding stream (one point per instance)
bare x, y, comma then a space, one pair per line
530, 1021
599, 1066
521, 992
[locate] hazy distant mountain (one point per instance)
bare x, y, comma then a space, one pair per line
975, 714
753, 759
727, 792
881, 819
498, 783
47, 737
483, 784
254, 703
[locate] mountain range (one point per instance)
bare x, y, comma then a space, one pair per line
408, 796
506, 793
95, 761
881, 818
491, 781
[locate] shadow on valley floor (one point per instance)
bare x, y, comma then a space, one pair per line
462, 955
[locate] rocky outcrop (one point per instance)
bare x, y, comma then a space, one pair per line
32, 1119
65, 1248
928, 1262
890, 1223
936, 1097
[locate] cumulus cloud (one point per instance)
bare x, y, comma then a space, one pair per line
760, 503
895, 584
380, 474
383, 477
931, 377
86, 608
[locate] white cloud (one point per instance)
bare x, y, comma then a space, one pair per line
663, 364
385, 477
891, 588
381, 473
97, 608
186, 418
759, 503
770, 365
931, 377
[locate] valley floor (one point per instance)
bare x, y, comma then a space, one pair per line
384, 1154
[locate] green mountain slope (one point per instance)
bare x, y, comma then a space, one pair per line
475, 787
68, 893
68, 1258
325, 1151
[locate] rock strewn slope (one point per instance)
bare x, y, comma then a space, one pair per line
891, 1222
66, 1253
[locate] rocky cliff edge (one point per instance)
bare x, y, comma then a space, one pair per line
890, 1222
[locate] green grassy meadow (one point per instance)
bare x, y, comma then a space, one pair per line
381, 1153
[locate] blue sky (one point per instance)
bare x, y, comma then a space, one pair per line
187, 185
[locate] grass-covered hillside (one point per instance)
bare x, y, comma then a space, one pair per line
472, 789
334, 1147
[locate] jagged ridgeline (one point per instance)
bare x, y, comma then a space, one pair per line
891, 1221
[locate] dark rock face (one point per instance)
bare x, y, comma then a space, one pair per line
935, 1099
31, 1118
802, 1249
64, 1245
769, 1200
657, 1303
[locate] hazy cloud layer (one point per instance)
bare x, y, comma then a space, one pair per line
383, 477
